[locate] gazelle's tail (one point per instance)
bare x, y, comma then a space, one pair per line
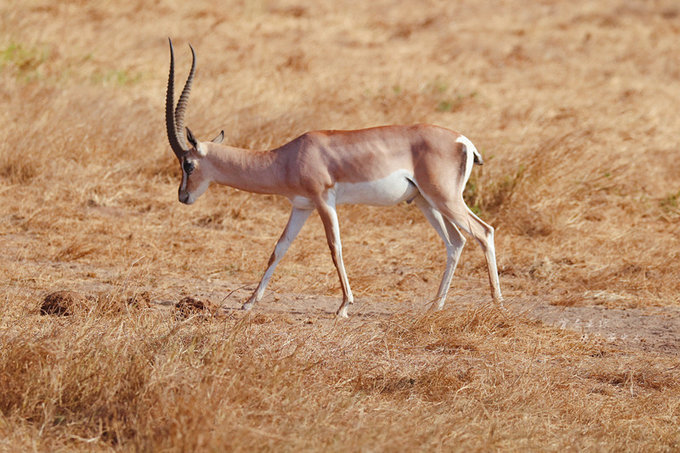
472, 156
478, 157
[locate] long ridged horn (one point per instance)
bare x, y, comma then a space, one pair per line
183, 101
176, 143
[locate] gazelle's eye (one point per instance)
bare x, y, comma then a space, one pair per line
188, 167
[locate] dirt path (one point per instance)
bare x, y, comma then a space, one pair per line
653, 329
656, 329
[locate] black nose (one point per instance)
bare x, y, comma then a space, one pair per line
184, 197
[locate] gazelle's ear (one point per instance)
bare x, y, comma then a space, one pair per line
219, 138
191, 138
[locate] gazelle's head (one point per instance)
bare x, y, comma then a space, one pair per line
195, 177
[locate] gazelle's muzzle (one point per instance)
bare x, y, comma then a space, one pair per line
185, 197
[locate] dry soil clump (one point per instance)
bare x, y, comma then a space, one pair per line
63, 303
190, 306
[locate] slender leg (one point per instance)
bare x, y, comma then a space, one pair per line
295, 222
329, 217
487, 242
453, 240
461, 216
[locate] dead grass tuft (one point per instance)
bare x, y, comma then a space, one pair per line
432, 385
17, 169
636, 377
75, 251
140, 300
447, 325
21, 363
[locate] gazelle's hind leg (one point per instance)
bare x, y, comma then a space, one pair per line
441, 175
460, 215
453, 241
456, 211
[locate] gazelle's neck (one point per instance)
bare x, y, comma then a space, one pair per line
253, 171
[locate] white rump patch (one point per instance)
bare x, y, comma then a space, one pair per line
471, 151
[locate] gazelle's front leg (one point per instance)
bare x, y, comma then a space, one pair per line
295, 222
329, 217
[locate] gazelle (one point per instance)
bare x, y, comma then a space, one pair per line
425, 164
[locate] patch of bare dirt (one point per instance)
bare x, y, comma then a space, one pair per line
654, 329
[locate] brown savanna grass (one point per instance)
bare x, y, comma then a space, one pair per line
574, 107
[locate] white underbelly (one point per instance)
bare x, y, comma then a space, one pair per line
389, 190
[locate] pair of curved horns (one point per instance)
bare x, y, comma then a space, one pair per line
174, 116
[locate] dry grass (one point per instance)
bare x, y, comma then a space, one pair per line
574, 108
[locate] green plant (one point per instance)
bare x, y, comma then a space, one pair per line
671, 203
24, 59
